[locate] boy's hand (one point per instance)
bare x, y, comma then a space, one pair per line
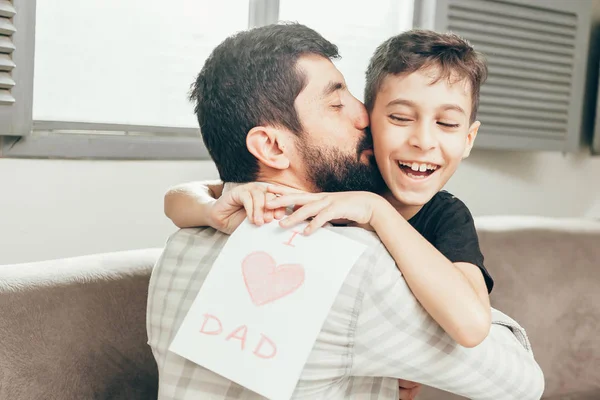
230, 210
408, 390
325, 207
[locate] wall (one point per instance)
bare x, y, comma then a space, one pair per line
59, 208
526, 183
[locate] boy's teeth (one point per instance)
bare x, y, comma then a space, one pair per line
418, 167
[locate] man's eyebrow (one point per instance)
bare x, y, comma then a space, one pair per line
332, 87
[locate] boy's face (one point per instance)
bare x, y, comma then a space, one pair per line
421, 132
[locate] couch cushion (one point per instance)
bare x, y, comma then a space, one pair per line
547, 274
75, 328
576, 396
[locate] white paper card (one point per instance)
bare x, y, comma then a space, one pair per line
259, 312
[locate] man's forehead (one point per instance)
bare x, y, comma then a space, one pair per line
319, 72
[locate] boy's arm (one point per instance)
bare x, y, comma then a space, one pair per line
189, 204
454, 294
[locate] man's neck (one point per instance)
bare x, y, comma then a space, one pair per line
287, 180
230, 185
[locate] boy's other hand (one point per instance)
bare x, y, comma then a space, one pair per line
408, 389
230, 210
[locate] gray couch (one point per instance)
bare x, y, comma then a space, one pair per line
75, 328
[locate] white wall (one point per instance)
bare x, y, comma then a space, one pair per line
59, 208
525, 183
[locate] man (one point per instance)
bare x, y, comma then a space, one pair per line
273, 108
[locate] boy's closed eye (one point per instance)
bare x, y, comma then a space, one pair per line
406, 119
401, 118
448, 124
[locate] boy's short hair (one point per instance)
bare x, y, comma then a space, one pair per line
418, 49
251, 79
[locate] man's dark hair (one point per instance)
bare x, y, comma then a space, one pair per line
417, 49
250, 80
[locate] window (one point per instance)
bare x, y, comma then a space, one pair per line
357, 27
125, 61
538, 54
111, 76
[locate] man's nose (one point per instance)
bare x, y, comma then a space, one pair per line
360, 116
423, 137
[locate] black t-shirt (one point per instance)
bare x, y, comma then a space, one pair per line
447, 224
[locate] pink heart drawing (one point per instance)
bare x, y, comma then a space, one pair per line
266, 281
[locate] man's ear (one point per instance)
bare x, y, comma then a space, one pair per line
269, 146
471, 135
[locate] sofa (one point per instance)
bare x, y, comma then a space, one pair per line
75, 328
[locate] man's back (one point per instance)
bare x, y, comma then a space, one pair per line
375, 332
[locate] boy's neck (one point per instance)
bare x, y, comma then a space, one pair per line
407, 211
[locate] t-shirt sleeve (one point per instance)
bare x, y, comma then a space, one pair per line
456, 238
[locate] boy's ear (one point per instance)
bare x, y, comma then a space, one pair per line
268, 145
470, 140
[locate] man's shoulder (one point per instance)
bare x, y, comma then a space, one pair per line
199, 233
191, 243
375, 258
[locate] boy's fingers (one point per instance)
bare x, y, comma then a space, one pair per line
279, 213
269, 197
246, 200
406, 394
416, 391
304, 213
282, 201
299, 199
258, 198
319, 220
408, 389
268, 216
409, 394
407, 384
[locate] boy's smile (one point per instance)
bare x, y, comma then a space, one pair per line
421, 132
417, 169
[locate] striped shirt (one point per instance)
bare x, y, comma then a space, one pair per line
375, 333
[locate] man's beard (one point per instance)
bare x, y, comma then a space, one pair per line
331, 170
